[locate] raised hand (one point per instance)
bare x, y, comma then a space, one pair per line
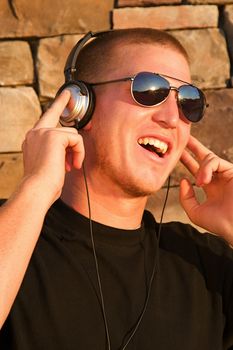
50, 151
215, 176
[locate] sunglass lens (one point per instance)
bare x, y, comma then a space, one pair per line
149, 89
192, 102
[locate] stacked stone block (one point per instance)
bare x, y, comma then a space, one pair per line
35, 38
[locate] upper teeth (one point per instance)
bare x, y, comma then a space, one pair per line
162, 146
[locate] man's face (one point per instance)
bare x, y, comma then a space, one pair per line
118, 160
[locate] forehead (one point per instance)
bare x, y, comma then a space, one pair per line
155, 58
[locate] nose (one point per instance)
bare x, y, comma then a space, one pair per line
167, 114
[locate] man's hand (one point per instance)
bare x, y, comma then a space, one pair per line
215, 176
50, 151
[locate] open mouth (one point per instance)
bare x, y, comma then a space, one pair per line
154, 145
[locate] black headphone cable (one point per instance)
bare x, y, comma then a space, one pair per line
156, 262
96, 262
155, 268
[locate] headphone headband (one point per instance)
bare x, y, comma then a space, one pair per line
70, 66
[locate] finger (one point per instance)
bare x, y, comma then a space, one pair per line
210, 166
189, 162
75, 152
202, 153
69, 159
207, 168
197, 148
188, 199
51, 117
59, 129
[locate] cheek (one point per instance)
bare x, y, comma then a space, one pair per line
183, 137
185, 132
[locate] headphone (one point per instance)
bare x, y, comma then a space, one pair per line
80, 107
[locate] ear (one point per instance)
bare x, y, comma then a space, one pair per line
88, 126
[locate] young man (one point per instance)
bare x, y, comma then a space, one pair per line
126, 288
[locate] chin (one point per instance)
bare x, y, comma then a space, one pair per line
144, 189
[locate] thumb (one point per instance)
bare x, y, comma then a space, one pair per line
188, 199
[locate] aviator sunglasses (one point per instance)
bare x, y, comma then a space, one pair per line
151, 89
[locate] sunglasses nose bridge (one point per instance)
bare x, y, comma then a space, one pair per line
174, 89
177, 91
168, 115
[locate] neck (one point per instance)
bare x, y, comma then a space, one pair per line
109, 207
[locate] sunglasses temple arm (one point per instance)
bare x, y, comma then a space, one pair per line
111, 81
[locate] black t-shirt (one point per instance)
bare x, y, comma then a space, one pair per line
58, 305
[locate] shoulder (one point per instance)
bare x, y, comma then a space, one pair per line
189, 236
205, 252
186, 247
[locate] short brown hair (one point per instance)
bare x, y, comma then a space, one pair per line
98, 56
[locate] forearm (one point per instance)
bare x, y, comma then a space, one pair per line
21, 219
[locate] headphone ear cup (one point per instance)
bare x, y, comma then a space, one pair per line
80, 107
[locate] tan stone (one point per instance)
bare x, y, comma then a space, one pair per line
124, 3
16, 64
215, 130
228, 27
19, 110
173, 210
51, 58
11, 171
207, 49
20, 18
167, 17
217, 2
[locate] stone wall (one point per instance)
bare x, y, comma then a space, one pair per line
36, 36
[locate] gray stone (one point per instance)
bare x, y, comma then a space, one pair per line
16, 64
19, 110
51, 58
11, 171
207, 49
23, 18
215, 130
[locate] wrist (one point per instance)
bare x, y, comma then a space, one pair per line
37, 189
